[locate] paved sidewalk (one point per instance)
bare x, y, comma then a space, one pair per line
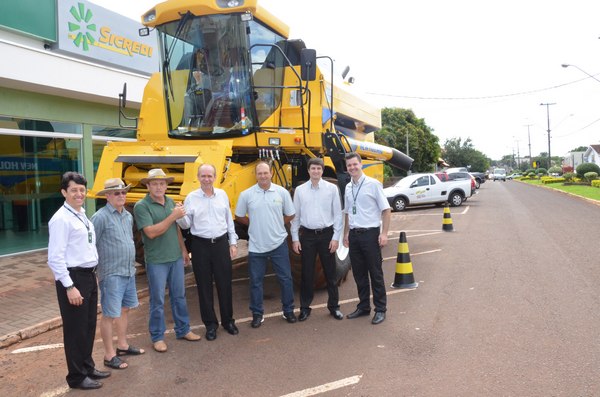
28, 304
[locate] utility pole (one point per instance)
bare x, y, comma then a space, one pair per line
529, 142
548, 114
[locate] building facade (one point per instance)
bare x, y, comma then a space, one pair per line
64, 64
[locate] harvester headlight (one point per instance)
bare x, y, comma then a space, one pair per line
230, 3
149, 16
274, 141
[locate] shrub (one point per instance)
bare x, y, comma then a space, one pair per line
569, 176
590, 176
555, 170
542, 171
529, 171
550, 179
587, 167
596, 183
567, 168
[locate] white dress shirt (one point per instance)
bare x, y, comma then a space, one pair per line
317, 208
364, 202
208, 216
69, 244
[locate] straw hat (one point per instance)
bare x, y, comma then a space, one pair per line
112, 185
157, 174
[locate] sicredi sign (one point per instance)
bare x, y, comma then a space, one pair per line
86, 30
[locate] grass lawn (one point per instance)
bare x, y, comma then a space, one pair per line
583, 191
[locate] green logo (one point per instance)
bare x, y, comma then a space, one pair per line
83, 38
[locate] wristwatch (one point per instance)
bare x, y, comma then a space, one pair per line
70, 287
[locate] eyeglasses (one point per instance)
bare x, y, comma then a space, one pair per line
121, 193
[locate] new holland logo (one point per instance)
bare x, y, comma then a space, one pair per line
83, 39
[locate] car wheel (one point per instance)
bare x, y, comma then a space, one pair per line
477, 183
456, 199
399, 204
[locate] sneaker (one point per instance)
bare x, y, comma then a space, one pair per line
257, 320
290, 317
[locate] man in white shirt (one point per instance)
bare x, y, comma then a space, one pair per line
316, 229
368, 216
72, 257
214, 245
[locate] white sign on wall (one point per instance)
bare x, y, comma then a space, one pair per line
88, 31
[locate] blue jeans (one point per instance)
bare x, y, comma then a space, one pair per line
257, 265
159, 276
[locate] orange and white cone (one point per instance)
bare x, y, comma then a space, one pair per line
404, 278
447, 221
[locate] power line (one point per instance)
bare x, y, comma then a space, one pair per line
480, 97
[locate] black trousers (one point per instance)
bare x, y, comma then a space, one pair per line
79, 325
365, 255
211, 261
313, 244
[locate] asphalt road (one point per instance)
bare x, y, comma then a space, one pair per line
507, 305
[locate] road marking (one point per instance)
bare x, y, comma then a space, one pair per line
338, 384
56, 392
37, 348
415, 254
401, 214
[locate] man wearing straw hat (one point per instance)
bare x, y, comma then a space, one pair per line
116, 271
165, 254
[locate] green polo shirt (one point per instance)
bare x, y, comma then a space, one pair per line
164, 248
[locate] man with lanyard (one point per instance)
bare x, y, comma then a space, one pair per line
266, 208
72, 257
165, 256
365, 205
317, 228
214, 244
116, 271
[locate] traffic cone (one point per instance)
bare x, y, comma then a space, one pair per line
404, 278
447, 221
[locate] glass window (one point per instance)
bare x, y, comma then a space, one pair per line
40, 125
30, 172
113, 132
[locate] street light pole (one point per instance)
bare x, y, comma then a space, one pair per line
529, 142
566, 65
548, 114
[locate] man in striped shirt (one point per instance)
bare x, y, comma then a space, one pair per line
116, 271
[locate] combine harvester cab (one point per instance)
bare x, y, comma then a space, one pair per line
233, 89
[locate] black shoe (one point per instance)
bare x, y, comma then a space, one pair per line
303, 315
87, 384
290, 317
257, 320
358, 313
378, 318
231, 328
211, 334
337, 315
99, 374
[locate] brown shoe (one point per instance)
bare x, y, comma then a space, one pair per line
160, 346
192, 337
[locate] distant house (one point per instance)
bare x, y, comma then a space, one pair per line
573, 159
592, 154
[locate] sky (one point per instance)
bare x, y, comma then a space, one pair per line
470, 69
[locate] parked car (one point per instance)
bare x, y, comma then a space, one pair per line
480, 177
455, 176
514, 175
417, 189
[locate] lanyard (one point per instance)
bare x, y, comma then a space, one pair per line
86, 223
354, 196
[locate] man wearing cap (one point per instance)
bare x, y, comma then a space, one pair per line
116, 271
72, 257
214, 244
165, 255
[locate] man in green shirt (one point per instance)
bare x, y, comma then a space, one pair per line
165, 255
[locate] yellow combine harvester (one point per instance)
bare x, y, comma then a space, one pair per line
233, 89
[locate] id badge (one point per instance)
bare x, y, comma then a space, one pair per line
90, 240
353, 210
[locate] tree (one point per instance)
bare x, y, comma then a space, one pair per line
579, 149
462, 154
423, 146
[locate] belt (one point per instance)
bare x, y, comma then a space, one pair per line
363, 229
210, 240
82, 269
316, 231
